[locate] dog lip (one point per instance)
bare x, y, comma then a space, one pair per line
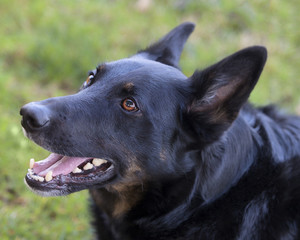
66, 184
59, 174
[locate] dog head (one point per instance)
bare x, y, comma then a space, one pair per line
138, 118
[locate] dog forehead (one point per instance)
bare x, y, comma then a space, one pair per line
139, 68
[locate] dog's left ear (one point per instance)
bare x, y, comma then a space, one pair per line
221, 90
168, 49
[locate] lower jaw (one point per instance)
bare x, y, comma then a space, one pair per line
63, 185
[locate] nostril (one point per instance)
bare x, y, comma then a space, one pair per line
35, 116
36, 123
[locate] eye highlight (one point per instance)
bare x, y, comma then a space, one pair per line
129, 105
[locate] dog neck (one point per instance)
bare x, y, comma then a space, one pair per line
118, 200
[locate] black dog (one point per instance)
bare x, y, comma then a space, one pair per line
170, 157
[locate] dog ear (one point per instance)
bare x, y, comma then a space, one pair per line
220, 91
168, 49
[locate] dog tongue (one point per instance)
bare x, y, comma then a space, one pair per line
58, 164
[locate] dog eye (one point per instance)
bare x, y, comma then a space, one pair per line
129, 105
88, 81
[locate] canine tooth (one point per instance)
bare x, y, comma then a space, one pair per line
88, 166
48, 176
77, 170
98, 161
31, 163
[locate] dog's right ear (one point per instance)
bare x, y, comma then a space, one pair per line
219, 92
168, 49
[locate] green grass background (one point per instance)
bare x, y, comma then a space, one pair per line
47, 48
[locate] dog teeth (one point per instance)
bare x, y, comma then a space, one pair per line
98, 161
77, 170
38, 178
88, 166
30, 171
41, 179
48, 176
31, 163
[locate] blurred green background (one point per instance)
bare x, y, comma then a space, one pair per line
47, 48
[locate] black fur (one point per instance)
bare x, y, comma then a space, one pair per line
193, 160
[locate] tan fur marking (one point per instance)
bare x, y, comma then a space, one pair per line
132, 196
130, 191
129, 86
126, 194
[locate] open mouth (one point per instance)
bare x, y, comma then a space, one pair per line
61, 175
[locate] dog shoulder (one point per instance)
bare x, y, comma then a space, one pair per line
286, 220
291, 176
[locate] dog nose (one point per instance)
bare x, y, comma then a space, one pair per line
35, 116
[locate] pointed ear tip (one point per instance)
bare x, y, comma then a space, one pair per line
261, 51
189, 26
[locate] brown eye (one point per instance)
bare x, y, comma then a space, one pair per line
129, 105
88, 81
